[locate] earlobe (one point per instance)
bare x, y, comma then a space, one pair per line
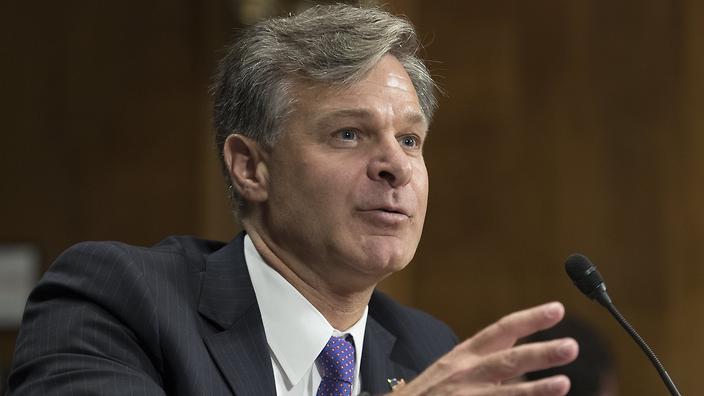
247, 167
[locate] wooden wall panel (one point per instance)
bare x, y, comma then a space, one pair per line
563, 131
683, 212
103, 121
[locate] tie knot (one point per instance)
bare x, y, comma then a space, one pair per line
337, 359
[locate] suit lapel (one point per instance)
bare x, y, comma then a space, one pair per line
239, 346
378, 364
227, 298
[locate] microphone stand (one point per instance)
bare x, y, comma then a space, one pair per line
605, 301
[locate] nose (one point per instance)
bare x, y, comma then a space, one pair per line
391, 164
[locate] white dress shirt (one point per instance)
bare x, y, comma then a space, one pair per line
296, 331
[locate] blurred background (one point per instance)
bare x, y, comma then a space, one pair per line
567, 126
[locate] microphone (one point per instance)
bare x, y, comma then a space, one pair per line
589, 281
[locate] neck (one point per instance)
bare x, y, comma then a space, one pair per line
341, 306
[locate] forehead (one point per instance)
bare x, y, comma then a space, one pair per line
387, 87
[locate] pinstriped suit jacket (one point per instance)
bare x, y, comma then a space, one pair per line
180, 318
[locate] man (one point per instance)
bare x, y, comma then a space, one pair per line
321, 120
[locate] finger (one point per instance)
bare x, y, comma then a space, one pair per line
510, 363
553, 386
507, 330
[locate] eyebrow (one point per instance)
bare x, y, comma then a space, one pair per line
412, 117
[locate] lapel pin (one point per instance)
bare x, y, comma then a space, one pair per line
395, 383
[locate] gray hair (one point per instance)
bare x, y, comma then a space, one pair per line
333, 44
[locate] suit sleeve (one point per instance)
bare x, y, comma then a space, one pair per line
89, 328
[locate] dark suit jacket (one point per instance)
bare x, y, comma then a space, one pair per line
180, 318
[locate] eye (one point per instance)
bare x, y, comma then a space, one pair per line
347, 134
346, 137
409, 141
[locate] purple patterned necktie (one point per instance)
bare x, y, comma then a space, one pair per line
336, 362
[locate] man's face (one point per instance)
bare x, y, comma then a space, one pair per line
348, 186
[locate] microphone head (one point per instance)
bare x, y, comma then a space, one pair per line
585, 275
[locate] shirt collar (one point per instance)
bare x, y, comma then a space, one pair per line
295, 330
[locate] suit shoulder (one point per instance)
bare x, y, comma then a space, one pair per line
106, 272
107, 306
175, 244
120, 283
189, 249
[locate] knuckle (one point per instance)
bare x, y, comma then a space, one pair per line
496, 369
509, 365
527, 389
549, 387
453, 370
543, 390
462, 348
502, 325
559, 351
553, 356
444, 364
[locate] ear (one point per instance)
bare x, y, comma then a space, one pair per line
246, 163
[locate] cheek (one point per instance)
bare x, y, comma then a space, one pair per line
421, 186
314, 188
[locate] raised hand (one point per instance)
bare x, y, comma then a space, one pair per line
480, 365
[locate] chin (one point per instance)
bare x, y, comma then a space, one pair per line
385, 259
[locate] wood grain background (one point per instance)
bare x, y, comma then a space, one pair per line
567, 126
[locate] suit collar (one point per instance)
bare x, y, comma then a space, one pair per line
240, 349
226, 291
287, 315
227, 298
378, 361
